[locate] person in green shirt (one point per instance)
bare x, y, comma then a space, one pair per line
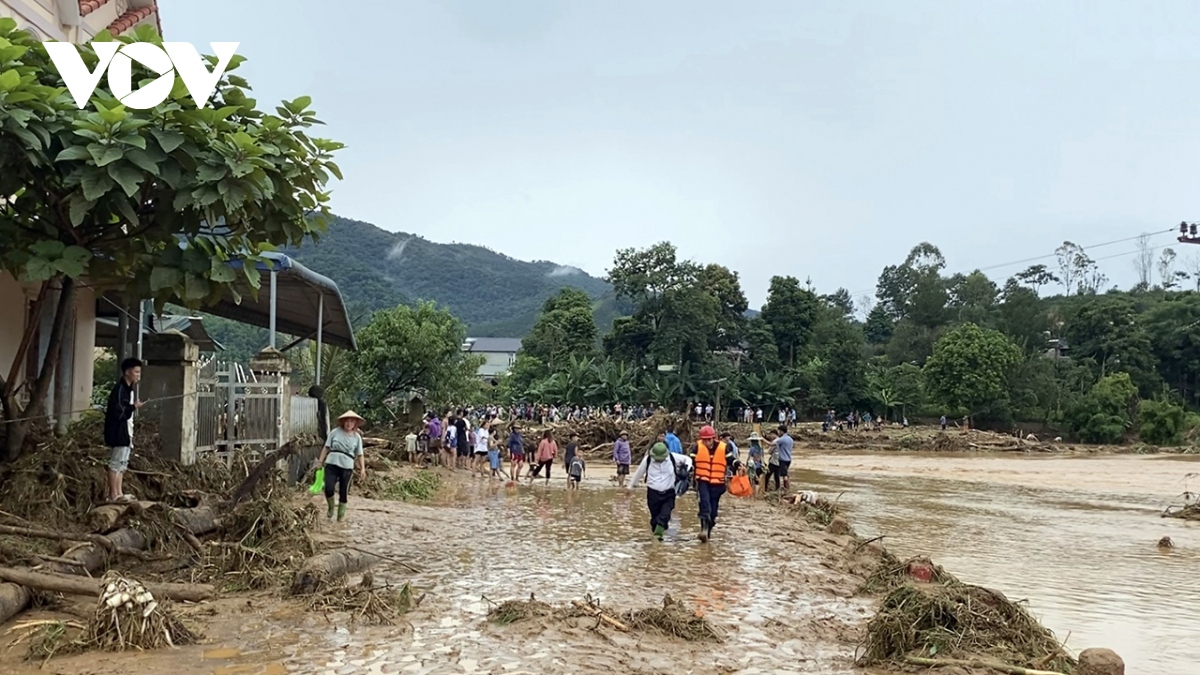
343, 451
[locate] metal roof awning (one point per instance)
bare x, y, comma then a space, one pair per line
108, 331
297, 298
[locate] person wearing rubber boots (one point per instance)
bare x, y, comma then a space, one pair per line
711, 459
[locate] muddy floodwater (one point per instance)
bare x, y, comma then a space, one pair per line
1074, 536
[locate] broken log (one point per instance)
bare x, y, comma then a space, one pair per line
260, 471
94, 555
329, 566
369, 442
13, 599
199, 519
107, 517
75, 585
596, 612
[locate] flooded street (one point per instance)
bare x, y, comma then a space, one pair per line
763, 582
1075, 536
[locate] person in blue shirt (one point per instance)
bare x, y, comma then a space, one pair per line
783, 452
673, 442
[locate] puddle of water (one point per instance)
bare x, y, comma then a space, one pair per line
1074, 536
224, 654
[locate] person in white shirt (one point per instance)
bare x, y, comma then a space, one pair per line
659, 467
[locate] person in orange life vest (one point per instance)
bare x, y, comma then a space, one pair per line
711, 458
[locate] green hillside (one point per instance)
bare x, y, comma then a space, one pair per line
375, 268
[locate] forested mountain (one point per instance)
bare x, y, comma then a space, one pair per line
491, 292
495, 295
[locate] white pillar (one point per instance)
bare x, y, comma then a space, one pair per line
274, 274
320, 329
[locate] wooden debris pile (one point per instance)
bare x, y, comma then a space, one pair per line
952, 623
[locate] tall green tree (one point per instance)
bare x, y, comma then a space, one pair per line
791, 312
915, 289
410, 349
565, 328
969, 370
144, 203
1108, 331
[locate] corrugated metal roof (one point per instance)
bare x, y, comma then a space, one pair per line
494, 344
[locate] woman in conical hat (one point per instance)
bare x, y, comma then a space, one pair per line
343, 452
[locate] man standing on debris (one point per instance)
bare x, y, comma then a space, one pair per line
659, 468
623, 457
711, 461
118, 427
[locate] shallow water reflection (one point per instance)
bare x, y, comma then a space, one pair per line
1075, 536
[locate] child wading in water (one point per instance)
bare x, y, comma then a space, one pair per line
493, 454
575, 472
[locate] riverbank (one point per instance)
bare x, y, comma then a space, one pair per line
780, 589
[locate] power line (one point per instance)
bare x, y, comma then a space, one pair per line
1052, 255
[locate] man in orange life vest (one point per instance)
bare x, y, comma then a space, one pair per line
710, 457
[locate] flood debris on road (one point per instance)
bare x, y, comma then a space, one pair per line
365, 602
673, 619
924, 622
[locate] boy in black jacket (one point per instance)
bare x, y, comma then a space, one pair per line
118, 426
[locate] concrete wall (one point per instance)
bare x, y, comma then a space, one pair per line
14, 303
59, 19
39, 17
495, 363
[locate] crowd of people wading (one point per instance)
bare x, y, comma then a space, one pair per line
712, 466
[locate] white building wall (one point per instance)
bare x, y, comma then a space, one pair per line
39, 17
495, 363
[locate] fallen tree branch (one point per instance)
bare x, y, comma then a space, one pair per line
72, 585
594, 611
100, 540
260, 471
1001, 667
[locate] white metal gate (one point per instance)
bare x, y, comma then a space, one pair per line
236, 412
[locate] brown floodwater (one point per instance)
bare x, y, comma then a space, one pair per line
1075, 536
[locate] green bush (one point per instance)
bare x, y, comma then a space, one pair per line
1161, 422
1103, 415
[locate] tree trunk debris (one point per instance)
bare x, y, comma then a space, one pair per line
323, 568
75, 585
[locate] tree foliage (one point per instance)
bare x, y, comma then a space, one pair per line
404, 350
969, 369
144, 203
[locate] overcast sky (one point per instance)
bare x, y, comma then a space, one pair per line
814, 139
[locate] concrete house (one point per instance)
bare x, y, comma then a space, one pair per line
79, 20
499, 354
294, 300
74, 21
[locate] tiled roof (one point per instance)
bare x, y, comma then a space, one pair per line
128, 19
88, 6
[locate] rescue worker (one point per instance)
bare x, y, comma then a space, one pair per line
711, 459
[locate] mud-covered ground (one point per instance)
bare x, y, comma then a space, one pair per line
780, 590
